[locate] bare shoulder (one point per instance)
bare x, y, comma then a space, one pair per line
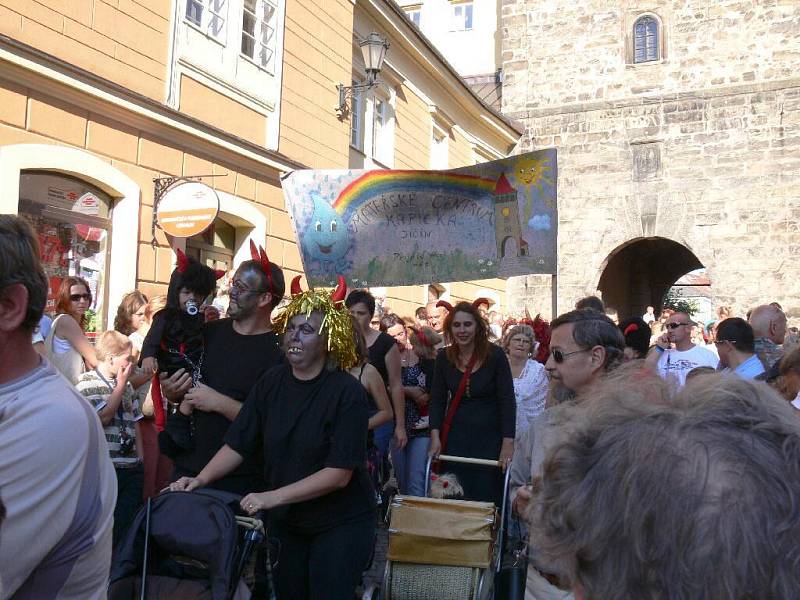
67, 325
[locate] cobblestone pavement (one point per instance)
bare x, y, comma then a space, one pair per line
374, 577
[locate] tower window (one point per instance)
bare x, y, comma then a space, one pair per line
646, 40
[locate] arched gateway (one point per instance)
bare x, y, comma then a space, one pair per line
639, 272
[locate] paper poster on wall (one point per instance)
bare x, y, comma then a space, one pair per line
401, 227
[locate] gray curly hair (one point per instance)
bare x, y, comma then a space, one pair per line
687, 497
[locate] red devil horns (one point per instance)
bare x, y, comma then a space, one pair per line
219, 273
340, 292
445, 304
183, 261
630, 329
259, 254
296, 289
478, 302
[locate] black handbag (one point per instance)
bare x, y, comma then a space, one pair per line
511, 579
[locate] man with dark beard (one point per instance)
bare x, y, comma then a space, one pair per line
584, 345
237, 351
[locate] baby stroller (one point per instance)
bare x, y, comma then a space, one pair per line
187, 545
444, 549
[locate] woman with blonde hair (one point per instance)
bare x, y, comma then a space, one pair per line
530, 379
67, 347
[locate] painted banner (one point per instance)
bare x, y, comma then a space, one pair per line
397, 227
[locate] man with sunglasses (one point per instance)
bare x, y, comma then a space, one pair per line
584, 345
674, 353
736, 346
237, 351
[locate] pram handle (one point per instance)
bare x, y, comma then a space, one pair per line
469, 461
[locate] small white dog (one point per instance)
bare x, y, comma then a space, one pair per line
446, 486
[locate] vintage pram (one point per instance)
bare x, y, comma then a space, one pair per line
190, 545
444, 549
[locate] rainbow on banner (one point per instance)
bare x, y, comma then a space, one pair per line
374, 183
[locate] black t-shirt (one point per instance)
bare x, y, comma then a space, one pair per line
301, 427
232, 364
377, 354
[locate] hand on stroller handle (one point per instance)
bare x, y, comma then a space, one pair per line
184, 484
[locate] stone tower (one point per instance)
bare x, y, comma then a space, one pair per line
506, 220
677, 124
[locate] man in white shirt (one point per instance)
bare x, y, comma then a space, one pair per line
56, 478
674, 354
649, 316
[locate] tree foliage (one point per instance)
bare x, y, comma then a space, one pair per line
675, 301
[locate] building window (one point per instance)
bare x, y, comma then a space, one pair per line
414, 15
382, 146
462, 16
646, 40
439, 148
357, 118
209, 16
72, 220
214, 247
259, 33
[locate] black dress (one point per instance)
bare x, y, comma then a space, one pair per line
377, 354
486, 415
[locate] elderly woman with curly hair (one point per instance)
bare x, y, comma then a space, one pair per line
530, 379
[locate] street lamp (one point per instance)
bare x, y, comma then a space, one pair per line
373, 49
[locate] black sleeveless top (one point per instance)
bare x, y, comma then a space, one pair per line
377, 354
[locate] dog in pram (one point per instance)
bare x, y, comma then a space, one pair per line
191, 546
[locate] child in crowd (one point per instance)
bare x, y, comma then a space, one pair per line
112, 396
175, 341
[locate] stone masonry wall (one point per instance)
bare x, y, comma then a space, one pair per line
702, 147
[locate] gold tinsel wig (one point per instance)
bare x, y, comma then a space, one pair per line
336, 321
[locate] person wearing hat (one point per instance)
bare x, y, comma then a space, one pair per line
636, 332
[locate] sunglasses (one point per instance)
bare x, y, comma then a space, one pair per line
675, 325
79, 297
559, 356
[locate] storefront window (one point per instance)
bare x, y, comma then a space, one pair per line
72, 221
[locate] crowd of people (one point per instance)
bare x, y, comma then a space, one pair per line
651, 457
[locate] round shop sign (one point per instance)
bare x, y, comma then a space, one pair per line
187, 209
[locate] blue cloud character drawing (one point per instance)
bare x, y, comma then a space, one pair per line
326, 239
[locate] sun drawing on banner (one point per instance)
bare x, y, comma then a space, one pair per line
535, 173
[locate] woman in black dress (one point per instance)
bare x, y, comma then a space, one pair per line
482, 425
308, 419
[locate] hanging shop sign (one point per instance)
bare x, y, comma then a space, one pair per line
187, 209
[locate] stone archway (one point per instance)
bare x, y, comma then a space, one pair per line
639, 273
